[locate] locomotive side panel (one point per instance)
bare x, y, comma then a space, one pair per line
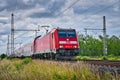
54, 40
42, 45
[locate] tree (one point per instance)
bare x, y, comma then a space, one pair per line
2, 56
90, 46
113, 45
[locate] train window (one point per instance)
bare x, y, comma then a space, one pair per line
71, 33
66, 33
62, 33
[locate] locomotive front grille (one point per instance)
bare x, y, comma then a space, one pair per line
68, 52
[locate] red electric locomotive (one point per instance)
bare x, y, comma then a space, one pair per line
59, 43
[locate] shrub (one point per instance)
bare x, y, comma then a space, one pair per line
83, 58
104, 58
26, 60
2, 56
78, 57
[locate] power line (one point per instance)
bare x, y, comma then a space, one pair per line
21, 35
57, 14
101, 10
82, 19
68, 7
86, 9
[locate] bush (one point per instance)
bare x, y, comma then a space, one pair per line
86, 58
78, 57
2, 56
104, 58
83, 58
26, 60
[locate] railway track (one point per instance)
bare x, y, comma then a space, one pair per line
104, 63
105, 66
102, 66
107, 63
96, 66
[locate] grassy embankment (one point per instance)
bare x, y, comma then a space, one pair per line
28, 69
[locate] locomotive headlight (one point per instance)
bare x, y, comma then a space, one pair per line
75, 46
61, 46
62, 42
73, 42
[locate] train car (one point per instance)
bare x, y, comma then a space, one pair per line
18, 52
27, 49
59, 43
24, 51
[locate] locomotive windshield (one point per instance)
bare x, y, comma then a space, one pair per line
67, 33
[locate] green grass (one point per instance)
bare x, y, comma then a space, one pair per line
97, 58
28, 69
26, 60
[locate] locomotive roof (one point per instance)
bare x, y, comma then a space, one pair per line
65, 28
54, 30
61, 29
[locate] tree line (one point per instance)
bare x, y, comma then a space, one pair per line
90, 46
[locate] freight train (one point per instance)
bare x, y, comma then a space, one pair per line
57, 44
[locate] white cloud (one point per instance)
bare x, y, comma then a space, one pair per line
116, 8
22, 14
3, 3
3, 18
28, 1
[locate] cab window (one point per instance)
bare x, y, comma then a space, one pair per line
67, 33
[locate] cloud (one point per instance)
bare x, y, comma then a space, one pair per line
116, 8
51, 10
101, 8
4, 29
15, 5
2, 4
3, 20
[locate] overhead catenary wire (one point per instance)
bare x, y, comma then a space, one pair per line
68, 8
83, 12
20, 35
73, 5
60, 12
15, 9
99, 11
84, 18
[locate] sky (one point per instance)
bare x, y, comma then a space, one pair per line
78, 14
